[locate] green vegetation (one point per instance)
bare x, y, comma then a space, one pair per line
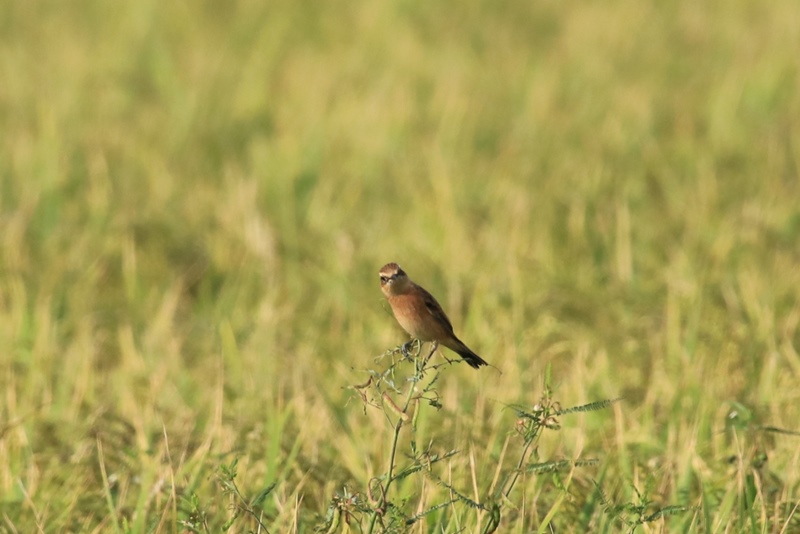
195, 199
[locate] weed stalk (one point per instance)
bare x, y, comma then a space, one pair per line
420, 366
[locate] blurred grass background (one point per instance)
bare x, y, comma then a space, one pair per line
195, 200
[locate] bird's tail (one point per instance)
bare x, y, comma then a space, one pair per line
466, 353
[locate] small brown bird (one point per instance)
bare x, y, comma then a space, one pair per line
420, 315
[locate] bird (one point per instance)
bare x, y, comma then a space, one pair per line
420, 314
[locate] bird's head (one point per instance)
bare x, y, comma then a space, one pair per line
394, 280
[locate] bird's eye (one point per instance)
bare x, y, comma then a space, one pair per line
384, 279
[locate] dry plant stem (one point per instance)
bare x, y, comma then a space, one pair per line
518, 470
420, 371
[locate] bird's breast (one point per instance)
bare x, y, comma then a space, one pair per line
415, 318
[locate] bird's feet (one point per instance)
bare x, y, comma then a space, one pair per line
407, 348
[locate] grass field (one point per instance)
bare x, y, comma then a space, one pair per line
195, 200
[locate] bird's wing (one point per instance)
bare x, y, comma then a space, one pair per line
436, 310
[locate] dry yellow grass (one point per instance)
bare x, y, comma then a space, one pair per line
195, 200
